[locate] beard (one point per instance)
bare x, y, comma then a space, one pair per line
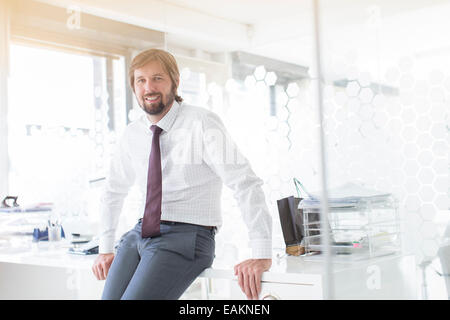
159, 107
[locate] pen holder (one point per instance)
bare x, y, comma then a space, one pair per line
54, 233
43, 235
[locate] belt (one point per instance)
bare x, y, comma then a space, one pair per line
176, 223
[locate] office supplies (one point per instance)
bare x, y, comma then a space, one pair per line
39, 235
85, 249
364, 223
54, 232
6, 205
78, 239
346, 195
291, 225
42, 235
292, 222
15, 207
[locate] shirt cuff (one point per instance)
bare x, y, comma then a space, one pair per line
106, 245
261, 249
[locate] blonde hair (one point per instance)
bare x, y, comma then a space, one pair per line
166, 60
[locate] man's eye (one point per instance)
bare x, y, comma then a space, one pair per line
140, 80
158, 78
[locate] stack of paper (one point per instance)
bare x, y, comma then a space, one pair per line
347, 195
43, 206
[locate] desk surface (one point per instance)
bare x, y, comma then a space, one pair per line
286, 269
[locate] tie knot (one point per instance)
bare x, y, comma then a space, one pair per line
155, 129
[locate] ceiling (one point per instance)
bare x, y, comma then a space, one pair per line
283, 29
244, 11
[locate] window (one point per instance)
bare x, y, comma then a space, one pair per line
65, 110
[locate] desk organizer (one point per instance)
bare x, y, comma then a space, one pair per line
360, 228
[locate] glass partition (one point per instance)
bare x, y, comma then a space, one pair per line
347, 100
386, 123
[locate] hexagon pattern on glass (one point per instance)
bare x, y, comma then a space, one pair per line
409, 131
392, 140
260, 73
292, 89
353, 88
271, 78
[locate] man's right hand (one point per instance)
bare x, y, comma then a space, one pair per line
102, 264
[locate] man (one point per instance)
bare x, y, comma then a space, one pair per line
179, 156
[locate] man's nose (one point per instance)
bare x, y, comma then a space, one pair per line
149, 87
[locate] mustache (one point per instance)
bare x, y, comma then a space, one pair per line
151, 94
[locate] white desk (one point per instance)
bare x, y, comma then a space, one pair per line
47, 273
42, 272
389, 277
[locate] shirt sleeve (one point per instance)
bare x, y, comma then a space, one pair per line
223, 157
120, 178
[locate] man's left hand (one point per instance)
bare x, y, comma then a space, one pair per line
249, 274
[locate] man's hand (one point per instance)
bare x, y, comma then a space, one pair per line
102, 264
249, 274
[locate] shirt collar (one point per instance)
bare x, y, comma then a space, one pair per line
167, 121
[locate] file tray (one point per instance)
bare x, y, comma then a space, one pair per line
360, 227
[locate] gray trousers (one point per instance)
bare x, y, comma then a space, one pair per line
161, 267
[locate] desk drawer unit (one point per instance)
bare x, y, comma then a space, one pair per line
281, 291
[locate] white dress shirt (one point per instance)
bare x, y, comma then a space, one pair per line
197, 157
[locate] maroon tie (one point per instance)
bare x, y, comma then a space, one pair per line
152, 213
